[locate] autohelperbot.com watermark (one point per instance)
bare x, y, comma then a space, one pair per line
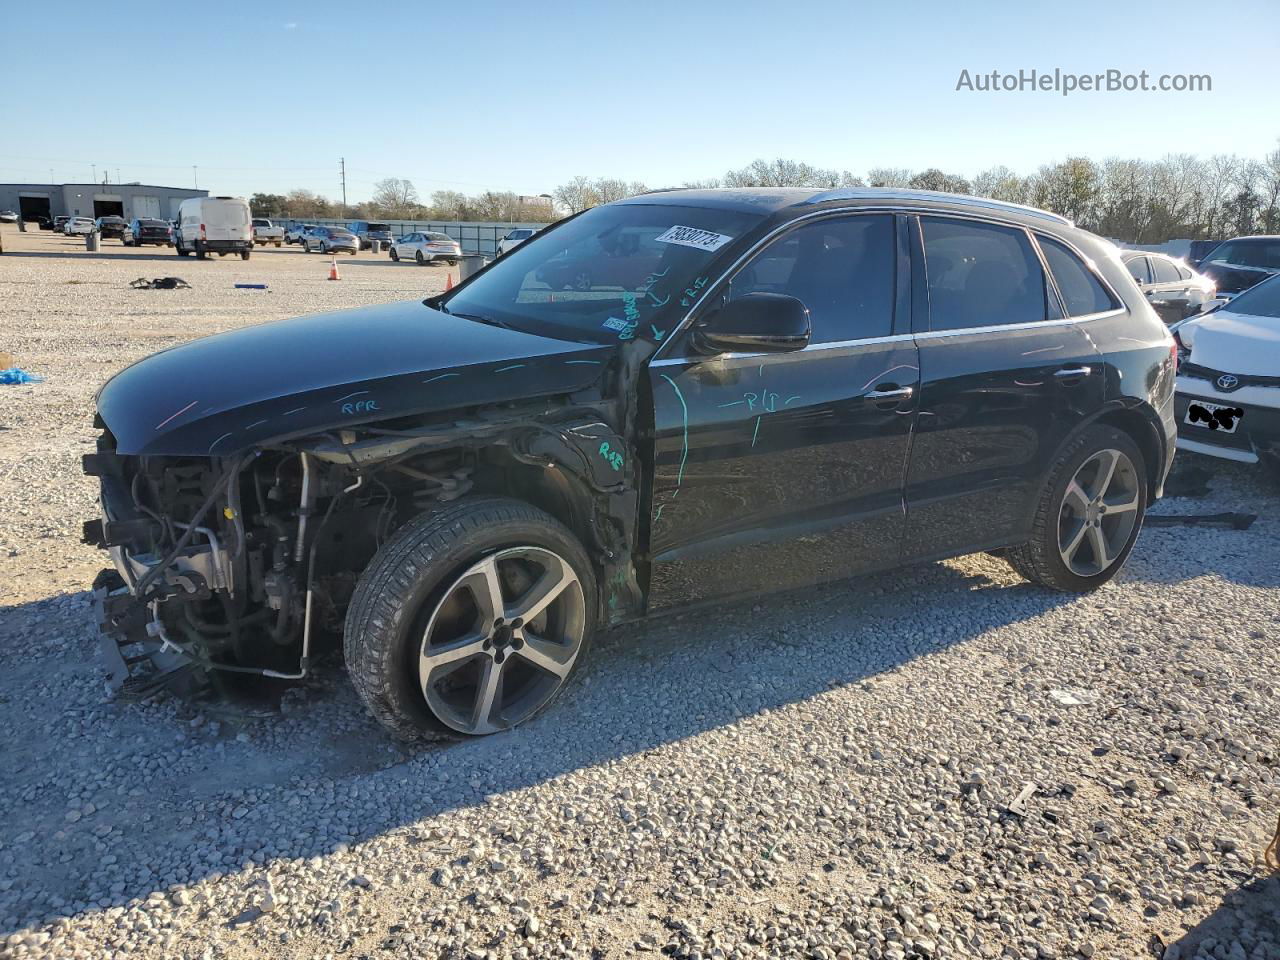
1065, 83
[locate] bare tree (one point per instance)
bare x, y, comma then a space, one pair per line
448, 205
888, 176
576, 195
395, 198
306, 203
1269, 188
781, 173
1069, 188
1001, 183
935, 179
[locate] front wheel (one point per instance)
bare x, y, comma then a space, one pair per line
1089, 514
394, 255
470, 619
420, 258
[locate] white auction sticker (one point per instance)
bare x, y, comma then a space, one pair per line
693, 237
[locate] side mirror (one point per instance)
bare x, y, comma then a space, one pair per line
755, 323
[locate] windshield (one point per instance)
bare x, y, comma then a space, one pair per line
1247, 253
1262, 300
614, 273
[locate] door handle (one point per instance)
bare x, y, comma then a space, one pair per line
891, 397
1072, 373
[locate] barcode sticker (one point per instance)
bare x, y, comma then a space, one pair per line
693, 237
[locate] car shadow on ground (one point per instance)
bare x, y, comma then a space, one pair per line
1248, 914
646, 686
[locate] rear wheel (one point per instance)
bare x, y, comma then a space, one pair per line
244, 254
471, 619
1089, 515
200, 252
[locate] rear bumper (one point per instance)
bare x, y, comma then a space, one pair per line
225, 246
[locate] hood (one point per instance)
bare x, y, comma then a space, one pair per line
1233, 277
1234, 343
269, 382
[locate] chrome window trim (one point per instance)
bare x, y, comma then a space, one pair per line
978, 215
1028, 325
1090, 265
811, 348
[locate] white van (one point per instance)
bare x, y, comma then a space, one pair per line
213, 225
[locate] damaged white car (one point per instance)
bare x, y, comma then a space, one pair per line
1228, 399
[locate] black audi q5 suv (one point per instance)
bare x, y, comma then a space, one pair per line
681, 397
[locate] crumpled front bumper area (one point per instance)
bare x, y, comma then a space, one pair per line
136, 657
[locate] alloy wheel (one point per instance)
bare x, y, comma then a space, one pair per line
1098, 513
503, 640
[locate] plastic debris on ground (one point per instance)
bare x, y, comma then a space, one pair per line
16, 375
251, 286
160, 283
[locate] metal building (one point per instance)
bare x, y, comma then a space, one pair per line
35, 200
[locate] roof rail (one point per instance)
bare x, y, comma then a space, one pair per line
892, 193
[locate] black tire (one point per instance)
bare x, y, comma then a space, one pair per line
395, 256
181, 250
200, 252
452, 263
399, 590
244, 254
1040, 559
420, 258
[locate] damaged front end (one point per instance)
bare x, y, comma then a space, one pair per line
245, 564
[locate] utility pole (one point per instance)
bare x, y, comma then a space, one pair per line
94, 168
342, 167
195, 176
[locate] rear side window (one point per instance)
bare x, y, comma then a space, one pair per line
1138, 269
1183, 273
981, 275
1163, 270
1082, 292
842, 269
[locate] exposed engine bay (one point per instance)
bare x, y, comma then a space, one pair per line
245, 564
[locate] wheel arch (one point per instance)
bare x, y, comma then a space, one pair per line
1142, 426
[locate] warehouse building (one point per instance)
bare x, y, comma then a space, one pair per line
35, 200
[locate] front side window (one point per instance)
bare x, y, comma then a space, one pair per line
617, 272
1138, 269
981, 275
1082, 292
1260, 300
841, 269
1163, 270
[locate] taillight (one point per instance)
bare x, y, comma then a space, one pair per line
1176, 349
202, 231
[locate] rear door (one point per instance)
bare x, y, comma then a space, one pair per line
1169, 292
779, 470
1004, 377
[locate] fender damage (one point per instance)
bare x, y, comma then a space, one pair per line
239, 520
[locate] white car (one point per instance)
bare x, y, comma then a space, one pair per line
513, 239
1173, 288
8, 216
78, 225
1228, 387
427, 248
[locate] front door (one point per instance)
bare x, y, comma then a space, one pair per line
776, 470
1004, 377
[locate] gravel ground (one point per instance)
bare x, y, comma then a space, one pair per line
829, 775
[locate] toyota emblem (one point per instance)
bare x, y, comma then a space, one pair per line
1228, 382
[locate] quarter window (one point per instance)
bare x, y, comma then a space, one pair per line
1082, 293
1163, 270
842, 269
1183, 273
981, 275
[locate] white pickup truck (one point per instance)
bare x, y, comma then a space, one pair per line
264, 232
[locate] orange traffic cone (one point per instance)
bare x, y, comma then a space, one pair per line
448, 282
333, 269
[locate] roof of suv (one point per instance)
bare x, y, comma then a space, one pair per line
773, 199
